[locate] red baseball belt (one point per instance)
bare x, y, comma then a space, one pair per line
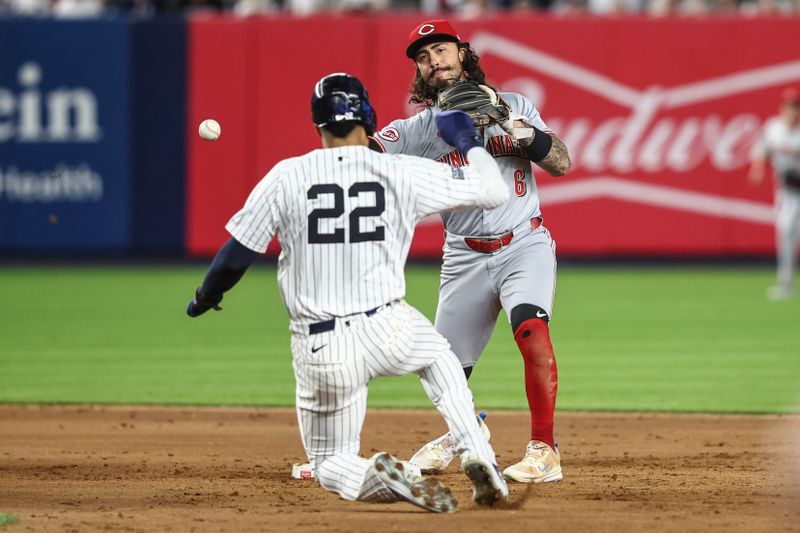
487, 246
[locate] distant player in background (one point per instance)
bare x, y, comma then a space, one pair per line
504, 258
345, 216
780, 145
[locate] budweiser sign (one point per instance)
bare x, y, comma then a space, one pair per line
646, 139
659, 117
651, 136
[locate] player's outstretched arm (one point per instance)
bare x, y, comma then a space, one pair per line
228, 267
557, 161
546, 150
457, 130
759, 157
758, 169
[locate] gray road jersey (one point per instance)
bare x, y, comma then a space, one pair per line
418, 136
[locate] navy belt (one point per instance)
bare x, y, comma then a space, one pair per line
328, 325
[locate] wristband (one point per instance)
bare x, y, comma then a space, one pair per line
540, 147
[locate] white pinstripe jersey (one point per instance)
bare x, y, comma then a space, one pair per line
344, 218
418, 136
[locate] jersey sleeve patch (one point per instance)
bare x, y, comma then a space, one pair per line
389, 134
458, 174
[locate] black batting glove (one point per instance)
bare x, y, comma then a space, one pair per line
201, 303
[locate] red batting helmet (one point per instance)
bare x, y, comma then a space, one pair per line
431, 31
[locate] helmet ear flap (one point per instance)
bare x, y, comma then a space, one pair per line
371, 117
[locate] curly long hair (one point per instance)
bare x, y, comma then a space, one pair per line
422, 93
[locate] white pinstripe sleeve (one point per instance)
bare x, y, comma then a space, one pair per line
256, 223
440, 187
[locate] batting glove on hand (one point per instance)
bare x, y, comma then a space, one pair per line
200, 304
457, 130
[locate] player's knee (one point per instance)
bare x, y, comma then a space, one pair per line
533, 338
525, 312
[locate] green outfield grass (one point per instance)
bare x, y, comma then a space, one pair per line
684, 339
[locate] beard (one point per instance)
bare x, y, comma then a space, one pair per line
451, 75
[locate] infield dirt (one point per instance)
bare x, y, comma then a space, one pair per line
88, 468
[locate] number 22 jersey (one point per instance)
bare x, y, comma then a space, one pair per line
345, 217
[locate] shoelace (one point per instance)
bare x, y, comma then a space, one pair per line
537, 453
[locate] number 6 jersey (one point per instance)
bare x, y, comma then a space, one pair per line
418, 136
345, 217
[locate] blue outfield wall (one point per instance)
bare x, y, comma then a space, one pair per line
159, 135
92, 135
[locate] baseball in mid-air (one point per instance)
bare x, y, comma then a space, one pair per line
210, 129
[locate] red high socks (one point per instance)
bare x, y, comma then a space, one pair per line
541, 376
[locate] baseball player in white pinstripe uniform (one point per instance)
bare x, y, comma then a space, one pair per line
345, 216
493, 259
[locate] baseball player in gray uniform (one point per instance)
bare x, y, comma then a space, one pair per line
780, 145
345, 216
501, 258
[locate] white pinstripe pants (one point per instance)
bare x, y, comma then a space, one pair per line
332, 392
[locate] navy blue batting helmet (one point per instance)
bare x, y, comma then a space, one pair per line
341, 97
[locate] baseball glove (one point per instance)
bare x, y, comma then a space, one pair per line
478, 101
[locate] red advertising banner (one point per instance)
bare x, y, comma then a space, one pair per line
255, 77
659, 117
219, 173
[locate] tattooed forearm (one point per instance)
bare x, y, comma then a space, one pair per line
557, 161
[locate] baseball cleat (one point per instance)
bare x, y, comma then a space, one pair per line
426, 493
436, 456
306, 471
780, 292
541, 464
488, 486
